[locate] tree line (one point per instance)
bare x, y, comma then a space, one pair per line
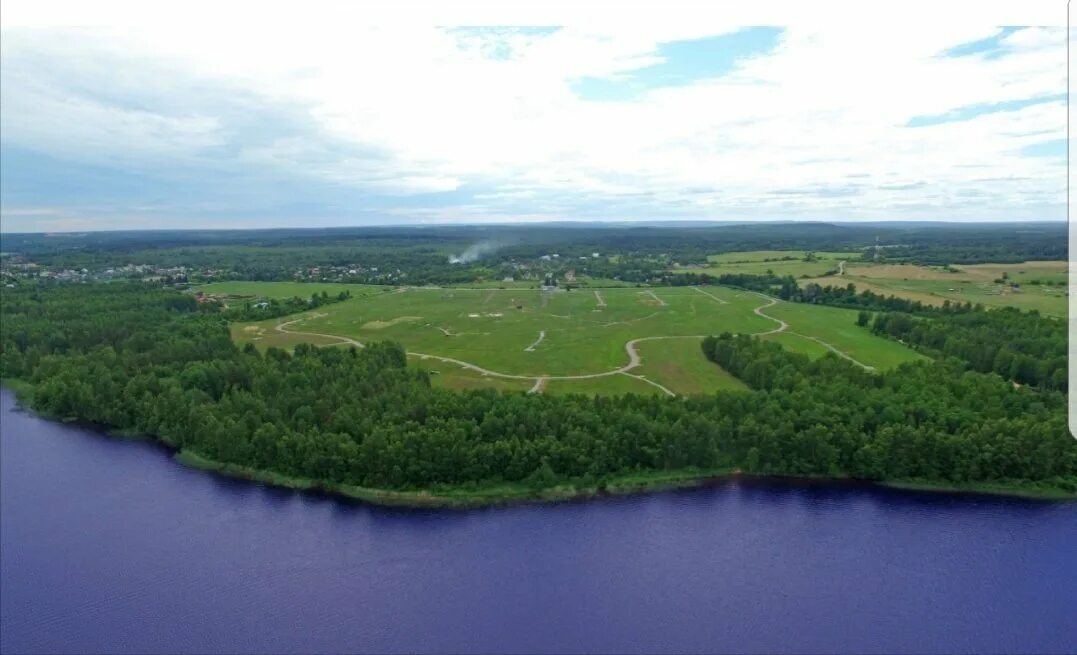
1024, 347
274, 307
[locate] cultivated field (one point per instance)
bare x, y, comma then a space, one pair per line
1041, 284
581, 341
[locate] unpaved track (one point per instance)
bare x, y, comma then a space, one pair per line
280, 328
650, 382
661, 303
634, 360
598, 297
841, 267
711, 295
835, 351
782, 325
531, 348
785, 326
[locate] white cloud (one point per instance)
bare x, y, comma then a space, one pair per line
408, 109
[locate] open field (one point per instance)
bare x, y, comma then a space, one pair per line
533, 333
619, 340
679, 364
837, 328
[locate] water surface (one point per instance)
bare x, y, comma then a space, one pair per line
109, 546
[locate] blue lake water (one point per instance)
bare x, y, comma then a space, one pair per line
110, 546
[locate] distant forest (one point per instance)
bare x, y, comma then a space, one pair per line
421, 253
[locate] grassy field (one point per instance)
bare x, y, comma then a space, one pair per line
973, 283
535, 333
679, 365
837, 327
530, 333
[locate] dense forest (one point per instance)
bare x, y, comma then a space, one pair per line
1020, 346
153, 360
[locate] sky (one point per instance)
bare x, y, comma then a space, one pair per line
237, 116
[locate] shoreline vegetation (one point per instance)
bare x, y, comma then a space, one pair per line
984, 412
479, 496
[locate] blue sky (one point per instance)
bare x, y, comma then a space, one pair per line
140, 125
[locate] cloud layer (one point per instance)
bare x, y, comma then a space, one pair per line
234, 126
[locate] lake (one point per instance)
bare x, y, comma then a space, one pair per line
110, 546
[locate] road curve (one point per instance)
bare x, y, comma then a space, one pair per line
280, 328
782, 325
785, 326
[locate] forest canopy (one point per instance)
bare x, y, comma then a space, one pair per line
150, 359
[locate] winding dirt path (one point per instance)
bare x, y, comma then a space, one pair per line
785, 327
650, 382
634, 360
782, 325
280, 328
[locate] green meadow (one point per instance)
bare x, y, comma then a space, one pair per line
837, 328
578, 339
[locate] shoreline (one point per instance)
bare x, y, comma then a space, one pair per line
642, 482
469, 497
